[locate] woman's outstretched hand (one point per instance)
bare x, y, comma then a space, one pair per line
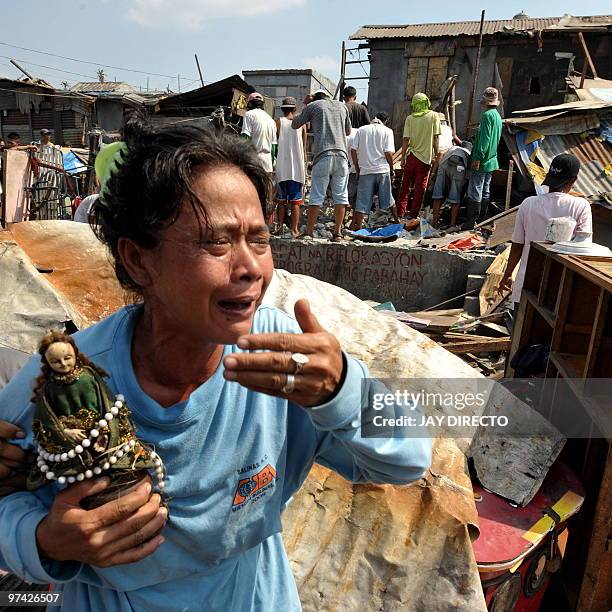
315, 382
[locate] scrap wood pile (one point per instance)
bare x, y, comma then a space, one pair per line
483, 338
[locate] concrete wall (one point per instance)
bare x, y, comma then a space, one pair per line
110, 114
388, 75
279, 85
411, 278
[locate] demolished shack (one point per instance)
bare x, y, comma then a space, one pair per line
584, 128
224, 101
27, 106
525, 58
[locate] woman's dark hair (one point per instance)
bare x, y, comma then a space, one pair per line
155, 180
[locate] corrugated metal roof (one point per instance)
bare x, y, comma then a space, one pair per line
106, 87
280, 71
467, 28
7, 81
594, 155
579, 105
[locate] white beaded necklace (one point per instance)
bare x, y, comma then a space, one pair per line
44, 456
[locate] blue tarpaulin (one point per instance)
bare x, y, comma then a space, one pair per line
72, 164
389, 230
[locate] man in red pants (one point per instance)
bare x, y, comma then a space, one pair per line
420, 142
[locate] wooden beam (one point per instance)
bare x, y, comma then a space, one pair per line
340, 85
477, 344
490, 220
601, 313
587, 55
595, 577
583, 74
475, 75
474, 347
509, 184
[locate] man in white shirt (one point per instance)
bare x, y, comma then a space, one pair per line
290, 167
260, 129
353, 178
81, 214
372, 153
535, 213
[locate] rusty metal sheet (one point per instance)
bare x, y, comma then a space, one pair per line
373, 547
594, 156
29, 304
77, 265
363, 547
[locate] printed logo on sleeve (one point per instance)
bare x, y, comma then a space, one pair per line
253, 488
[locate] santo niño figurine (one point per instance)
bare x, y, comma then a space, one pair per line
83, 430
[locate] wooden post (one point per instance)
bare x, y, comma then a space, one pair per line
199, 71
583, 75
475, 76
22, 70
452, 114
509, 184
340, 85
94, 137
587, 55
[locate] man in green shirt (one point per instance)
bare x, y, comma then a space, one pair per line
484, 157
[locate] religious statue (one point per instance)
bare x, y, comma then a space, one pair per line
82, 430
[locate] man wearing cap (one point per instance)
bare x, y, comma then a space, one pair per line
45, 141
330, 123
260, 129
358, 113
419, 148
484, 158
372, 153
290, 171
450, 181
535, 213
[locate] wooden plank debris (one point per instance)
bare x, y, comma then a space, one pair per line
459, 343
502, 229
489, 298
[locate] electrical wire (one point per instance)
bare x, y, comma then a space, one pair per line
72, 59
187, 82
88, 76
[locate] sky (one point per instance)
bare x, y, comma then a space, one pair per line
156, 39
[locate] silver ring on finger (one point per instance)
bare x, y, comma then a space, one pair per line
289, 385
300, 360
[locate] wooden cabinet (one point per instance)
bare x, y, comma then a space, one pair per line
565, 305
